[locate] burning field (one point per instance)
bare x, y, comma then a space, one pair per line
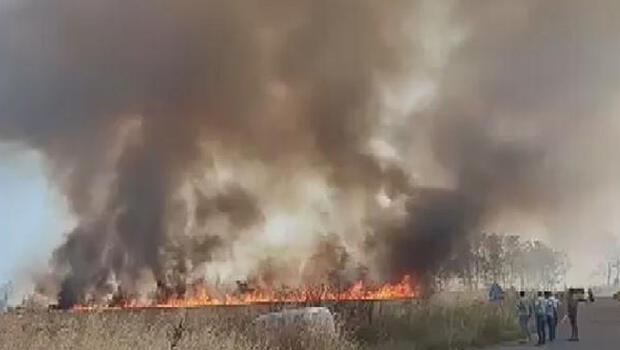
201, 143
309, 145
199, 295
209, 154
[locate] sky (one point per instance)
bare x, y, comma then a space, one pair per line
31, 216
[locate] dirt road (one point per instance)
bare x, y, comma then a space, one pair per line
599, 329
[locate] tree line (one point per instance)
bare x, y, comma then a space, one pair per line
506, 259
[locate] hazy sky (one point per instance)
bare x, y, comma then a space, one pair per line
31, 217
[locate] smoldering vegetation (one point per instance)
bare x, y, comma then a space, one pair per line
178, 130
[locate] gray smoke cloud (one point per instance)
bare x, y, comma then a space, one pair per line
132, 102
524, 112
288, 84
523, 120
242, 207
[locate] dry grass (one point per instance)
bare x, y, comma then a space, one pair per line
427, 326
150, 329
410, 325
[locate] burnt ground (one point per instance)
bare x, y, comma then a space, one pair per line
599, 329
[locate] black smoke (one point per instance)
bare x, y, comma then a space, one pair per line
132, 102
124, 99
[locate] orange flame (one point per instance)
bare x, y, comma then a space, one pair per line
199, 296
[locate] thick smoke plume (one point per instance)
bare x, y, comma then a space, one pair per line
523, 120
179, 129
132, 101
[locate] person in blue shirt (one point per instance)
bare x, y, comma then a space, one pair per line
495, 292
551, 314
540, 310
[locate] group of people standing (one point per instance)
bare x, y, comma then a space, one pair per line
546, 309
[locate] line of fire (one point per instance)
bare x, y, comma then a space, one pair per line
200, 294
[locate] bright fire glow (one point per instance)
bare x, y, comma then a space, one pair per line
198, 296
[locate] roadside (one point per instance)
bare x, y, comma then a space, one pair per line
599, 329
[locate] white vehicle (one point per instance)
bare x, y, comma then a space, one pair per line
314, 319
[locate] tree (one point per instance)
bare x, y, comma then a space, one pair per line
494, 257
512, 251
506, 259
543, 267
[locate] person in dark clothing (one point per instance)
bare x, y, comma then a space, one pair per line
559, 306
571, 310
